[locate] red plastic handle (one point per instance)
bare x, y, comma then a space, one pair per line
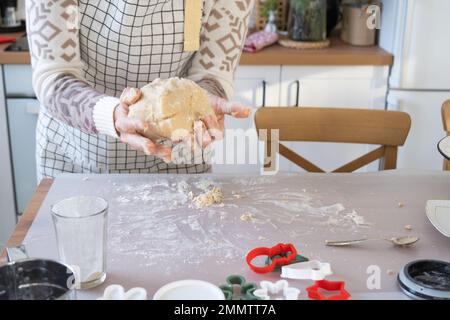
280, 249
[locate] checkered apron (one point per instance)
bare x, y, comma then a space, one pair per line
123, 43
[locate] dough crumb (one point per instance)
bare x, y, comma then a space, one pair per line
390, 272
207, 199
248, 217
262, 238
408, 227
86, 179
401, 204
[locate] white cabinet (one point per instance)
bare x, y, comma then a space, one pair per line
315, 86
22, 119
420, 150
8, 209
329, 86
255, 86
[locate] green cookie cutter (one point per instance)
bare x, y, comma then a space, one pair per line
298, 259
245, 289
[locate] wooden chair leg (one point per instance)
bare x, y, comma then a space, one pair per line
446, 165
389, 162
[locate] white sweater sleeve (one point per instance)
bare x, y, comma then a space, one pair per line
52, 29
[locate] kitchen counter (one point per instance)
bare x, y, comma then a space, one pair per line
11, 57
168, 242
337, 54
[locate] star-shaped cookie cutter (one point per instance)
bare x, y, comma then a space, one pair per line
117, 292
310, 270
286, 252
268, 289
315, 294
245, 290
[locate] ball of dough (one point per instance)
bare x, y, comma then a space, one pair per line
171, 107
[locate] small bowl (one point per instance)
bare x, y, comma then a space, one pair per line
189, 290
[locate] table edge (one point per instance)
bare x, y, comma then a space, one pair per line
27, 218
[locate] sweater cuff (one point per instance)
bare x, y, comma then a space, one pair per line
103, 115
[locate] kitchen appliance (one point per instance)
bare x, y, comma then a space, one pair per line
10, 21
416, 32
35, 279
426, 279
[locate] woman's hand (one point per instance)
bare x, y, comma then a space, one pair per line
131, 130
222, 107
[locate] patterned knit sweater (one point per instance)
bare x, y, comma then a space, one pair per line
85, 52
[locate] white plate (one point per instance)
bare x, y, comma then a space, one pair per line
189, 290
444, 147
438, 212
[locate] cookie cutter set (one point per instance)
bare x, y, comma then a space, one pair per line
281, 257
297, 267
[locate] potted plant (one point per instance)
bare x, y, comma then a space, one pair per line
307, 20
269, 8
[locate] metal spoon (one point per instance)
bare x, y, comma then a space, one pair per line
398, 241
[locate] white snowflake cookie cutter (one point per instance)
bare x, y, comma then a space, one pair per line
269, 289
309, 270
117, 292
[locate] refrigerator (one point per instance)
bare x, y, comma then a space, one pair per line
417, 33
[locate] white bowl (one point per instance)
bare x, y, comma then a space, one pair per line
189, 290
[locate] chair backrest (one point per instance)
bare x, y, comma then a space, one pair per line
389, 129
446, 122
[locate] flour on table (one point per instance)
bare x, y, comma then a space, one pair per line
190, 218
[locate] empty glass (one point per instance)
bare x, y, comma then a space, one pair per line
81, 234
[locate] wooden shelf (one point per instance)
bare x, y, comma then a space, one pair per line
337, 54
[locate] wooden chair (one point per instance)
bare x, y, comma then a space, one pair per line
446, 121
389, 129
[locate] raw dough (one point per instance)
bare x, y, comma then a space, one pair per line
171, 107
207, 199
248, 217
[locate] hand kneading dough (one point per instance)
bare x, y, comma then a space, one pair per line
170, 105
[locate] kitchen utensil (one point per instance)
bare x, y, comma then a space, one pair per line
81, 232
298, 259
334, 15
310, 270
117, 292
4, 39
425, 279
273, 291
237, 288
444, 147
35, 279
398, 241
8, 10
189, 290
355, 30
438, 212
316, 291
287, 253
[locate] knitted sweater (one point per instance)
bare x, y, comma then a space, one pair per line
85, 52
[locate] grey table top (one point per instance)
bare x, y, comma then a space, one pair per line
156, 235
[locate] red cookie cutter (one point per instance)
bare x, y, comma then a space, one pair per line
313, 291
287, 250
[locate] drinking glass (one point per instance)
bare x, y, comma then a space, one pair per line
81, 235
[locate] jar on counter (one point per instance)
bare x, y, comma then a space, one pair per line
307, 20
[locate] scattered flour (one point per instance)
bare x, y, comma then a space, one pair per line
159, 220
